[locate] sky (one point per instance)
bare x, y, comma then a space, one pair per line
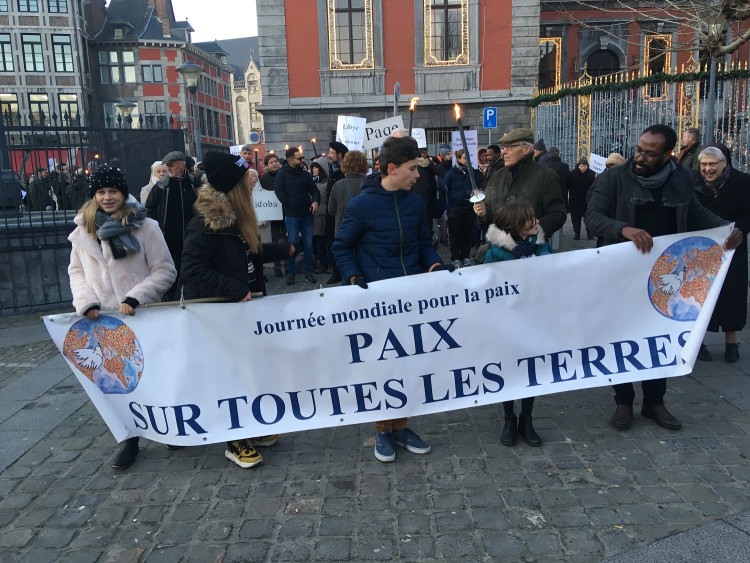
218, 19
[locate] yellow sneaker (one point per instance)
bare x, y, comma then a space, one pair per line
265, 441
242, 453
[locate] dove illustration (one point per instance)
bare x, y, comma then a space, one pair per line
671, 283
89, 358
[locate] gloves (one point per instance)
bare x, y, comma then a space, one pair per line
360, 281
441, 267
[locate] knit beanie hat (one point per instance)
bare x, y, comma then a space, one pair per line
107, 177
224, 170
540, 146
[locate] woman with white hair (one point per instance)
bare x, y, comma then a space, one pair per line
726, 192
158, 171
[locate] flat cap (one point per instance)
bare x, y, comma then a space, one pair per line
339, 147
173, 156
614, 159
516, 135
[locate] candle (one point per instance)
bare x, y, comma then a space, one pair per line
477, 195
411, 113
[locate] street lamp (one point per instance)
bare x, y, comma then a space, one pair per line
126, 108
190, 73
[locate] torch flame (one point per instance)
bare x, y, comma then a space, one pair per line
299, 148
286, 147
458, 111
413, 103
313, 140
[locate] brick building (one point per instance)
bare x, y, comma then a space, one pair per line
134, 57
324, 58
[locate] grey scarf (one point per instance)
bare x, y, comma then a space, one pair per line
117, 235
644, 185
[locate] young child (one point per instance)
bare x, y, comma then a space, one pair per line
384, 235
119, 260
515, 233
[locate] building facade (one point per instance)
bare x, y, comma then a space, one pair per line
326, 58
135, 56
247, 98
44, 71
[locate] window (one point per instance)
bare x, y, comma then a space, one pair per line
9, 108
550, 60
155, 113
128, 67
33, 60
39, 108
657, 57
63, 53
350, 35
447, 29
58, 6
114, 119
109, 69
228, 121
152, 73
28, 6
6, 56
69, 109
3, 5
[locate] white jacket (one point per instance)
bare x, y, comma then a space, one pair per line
96, 278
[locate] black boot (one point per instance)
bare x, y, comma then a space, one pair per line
526, 430
127, 455
509, 436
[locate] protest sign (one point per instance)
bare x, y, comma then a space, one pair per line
407, 346
351, 131
420, 135
377, 131
471, 143
267, 205
597, 163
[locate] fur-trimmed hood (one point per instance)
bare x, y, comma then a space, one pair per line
502, 239
215, 209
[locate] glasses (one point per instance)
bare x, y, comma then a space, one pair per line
513, 146
710, 164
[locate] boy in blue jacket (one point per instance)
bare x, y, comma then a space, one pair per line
385, 235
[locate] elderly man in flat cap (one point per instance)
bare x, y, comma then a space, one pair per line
171, 204
522, 178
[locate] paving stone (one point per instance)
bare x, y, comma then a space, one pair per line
333, 549
53, 537
246, 551
502, 546
205, 554
256, 529
452, 522
296, 550
15, 538
81, 556
417, 547
331, 526
168, 554
457, 545
38, 555
375, 549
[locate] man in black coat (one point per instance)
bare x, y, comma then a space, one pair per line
170, 203
562, 170
299, 197
336, 153
271, 167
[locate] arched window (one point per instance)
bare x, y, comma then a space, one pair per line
602, 63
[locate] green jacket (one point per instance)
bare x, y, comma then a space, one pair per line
690, 157
531, 181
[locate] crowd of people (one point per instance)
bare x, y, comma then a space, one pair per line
195, 234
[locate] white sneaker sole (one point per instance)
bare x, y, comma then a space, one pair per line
244, 464
384, 458
412, 449
259, 444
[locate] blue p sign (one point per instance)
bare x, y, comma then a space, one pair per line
490, 118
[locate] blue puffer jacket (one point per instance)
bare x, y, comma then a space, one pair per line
384, 235
458, 182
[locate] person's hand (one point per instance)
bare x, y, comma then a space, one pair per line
292, 250
443, 267
126, 309
358, 280
734, 239
93, 314
247, 297
480, 210
640, 238
314, 207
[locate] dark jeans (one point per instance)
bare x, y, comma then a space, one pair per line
278, 233
527, 406
460, 232
653, 392
300, 229
320, 247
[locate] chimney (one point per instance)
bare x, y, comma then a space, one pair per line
165, 26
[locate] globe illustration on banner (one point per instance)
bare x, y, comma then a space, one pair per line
682, 275
107, 352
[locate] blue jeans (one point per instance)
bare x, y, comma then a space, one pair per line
294, 227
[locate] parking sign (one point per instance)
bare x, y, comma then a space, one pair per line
490, 118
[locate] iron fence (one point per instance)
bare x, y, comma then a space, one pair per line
607, 114
37, 206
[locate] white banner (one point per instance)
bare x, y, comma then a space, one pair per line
351, 131
376, 132
597, 163
267, 205
403, 347
471, 142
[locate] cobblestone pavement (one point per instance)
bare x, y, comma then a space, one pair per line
589, 492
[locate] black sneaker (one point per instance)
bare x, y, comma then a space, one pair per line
310, 277
127, 455
290, 280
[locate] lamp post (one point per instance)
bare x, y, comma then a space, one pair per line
190, 73
715, 30
126, 108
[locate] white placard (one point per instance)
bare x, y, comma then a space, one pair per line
235, 149
267, 205
420, 135
351, 131
377, 131
403, 347
471, 142
597, 163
